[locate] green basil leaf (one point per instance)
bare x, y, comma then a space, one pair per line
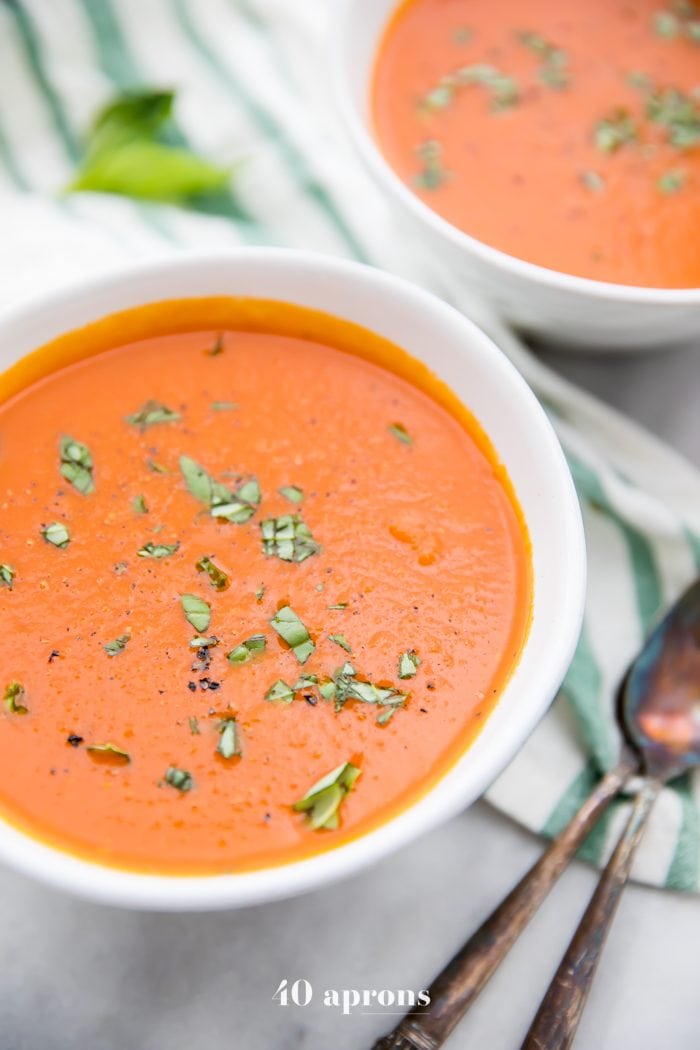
288, 537
247, 649
292, 630
322, 801
194, 725
342, 641
229, 744
134, 112
178, 778
218, 578
398, 430
117, 645
158, 550
7, 576
110, 751
157, 468
293, 493
148, 171
280, 692
201, 641
139, 504
56, 534
409, 662
14, 698
150, 414
197, 612
223, 406
259, 593
76, 465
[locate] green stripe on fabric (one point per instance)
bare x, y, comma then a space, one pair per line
694, 543
592, 849
9, 163
647, 581
571, 801
118, 64
32, 48
582, 690
594, 846
269, 125
684, 870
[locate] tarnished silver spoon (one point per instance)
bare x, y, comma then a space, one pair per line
660, 715
659, 712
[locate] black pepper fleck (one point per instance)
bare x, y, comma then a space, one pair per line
74, 740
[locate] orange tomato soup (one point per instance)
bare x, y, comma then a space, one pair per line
566, 134
179, 481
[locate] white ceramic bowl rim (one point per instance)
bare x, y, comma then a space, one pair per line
383, 171
556, 624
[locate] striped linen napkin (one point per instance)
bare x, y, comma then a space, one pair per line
253, 92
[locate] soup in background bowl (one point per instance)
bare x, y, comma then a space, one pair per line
550, 155
277, 584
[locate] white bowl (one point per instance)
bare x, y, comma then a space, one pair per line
480, 374
556, 307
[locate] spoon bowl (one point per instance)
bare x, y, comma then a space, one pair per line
660, 700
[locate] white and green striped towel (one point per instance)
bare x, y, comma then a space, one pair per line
253, 90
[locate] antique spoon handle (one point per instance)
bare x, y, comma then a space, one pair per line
556, 1022
457, 986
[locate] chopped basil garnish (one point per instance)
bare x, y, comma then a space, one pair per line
7, 576
678, 113
671, 182
157, 550
238, 506
201, 641
666, 25
616, 130
399, 431
322, 801
292, 630
409, 662
502, 89
152, 413
288, 537
194, 725
553, 69
178, 778
247, 649
432, 174
197, 612
241, 505
342, 641
293, 493
305, 681
14, 698
117, 645
280, 692
219, 579
157, 468
56, 533
223, 406
139, 504
216, 348
77, 465
347, 686
593, 181
259, 593
118, 754
229, 744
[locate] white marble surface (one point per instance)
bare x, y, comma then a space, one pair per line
83, 977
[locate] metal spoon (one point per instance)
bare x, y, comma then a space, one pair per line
660, 714
669, 664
